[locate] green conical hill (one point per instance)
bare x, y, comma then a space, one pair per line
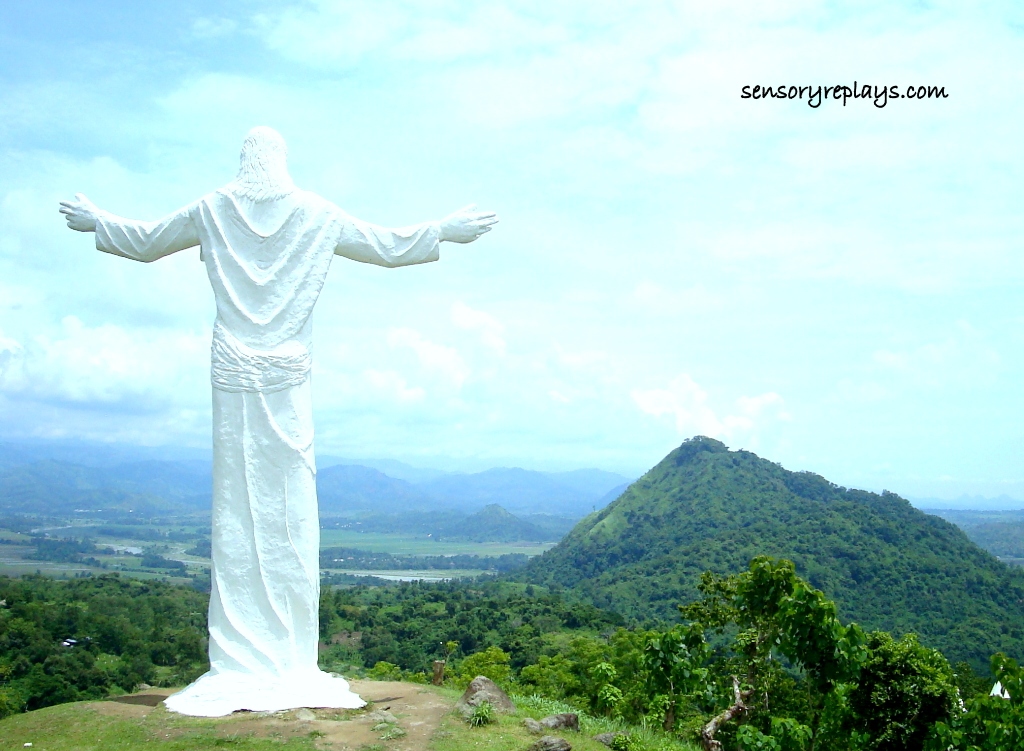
886, 564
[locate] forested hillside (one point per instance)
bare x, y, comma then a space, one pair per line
91, 637
887, 565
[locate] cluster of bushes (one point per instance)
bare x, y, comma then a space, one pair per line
410, 624
66, 550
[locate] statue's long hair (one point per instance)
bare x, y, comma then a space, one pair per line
263, 166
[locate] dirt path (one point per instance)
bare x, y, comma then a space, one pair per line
400, 716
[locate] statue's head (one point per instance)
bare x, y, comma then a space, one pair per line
263, 164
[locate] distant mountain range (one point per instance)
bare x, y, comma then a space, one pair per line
63, 478
886, 564
969, 503
57, 488
490, 524
349, 489
93, 454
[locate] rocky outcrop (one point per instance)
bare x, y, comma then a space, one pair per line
551, 743
483, 689
565, 721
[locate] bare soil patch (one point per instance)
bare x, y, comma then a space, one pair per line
399, 717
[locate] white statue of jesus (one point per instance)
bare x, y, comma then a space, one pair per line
267, 246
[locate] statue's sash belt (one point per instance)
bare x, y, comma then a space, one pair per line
237, 367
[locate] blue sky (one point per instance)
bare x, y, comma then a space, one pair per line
836, 288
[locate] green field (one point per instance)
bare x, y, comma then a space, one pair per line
428, 575
12, 563
11, 566
14, 560
378, 542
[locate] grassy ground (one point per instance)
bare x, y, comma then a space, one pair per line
111, 726
507, 732
80, 727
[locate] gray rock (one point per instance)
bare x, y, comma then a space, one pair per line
484, 689
378, 716
551, 743
565, 721
533, 726
607, 738
305, 715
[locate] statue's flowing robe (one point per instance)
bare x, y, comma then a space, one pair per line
264, 601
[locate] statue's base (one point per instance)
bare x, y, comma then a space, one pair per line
219, 694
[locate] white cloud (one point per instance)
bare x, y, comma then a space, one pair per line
686, 402
437, 358
106, 364
9, 350
963, 359
393, 386
755, 406
661, 300
325, 33
592, 360
212, 28
486, 326
559, 397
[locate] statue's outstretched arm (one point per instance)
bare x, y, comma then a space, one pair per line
140, 241
81, 213
467, 224
368, 243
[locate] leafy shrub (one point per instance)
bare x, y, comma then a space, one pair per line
787, 735
903, 689
483, 714
623, 742
384, 671
991, 723
493, 663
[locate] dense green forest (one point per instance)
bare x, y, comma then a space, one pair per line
410, 624
762, 640
760, 660
887, 565
90, 637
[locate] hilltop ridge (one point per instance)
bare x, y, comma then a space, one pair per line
703, 507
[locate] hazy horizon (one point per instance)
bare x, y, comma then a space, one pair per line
453, 465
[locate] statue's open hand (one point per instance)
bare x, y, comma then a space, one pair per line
81, 213
467, 224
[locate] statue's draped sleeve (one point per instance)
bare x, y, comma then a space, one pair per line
368, 243
147, 241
